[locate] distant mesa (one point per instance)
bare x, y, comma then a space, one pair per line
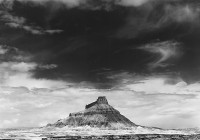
100, 100
96, 114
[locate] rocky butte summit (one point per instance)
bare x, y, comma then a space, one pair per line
96, 114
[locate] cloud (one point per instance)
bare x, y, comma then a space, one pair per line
38, 30
69, 3
155, 83
12, 19
50, 105
3, 50
53, 31
164, 98
17, 71
75, 3
51, 66
23, 104
165, 50
133, 2
85, 4
155, 16
17, 74
20, 22
146, 100
181, 13
12, 54
34, 29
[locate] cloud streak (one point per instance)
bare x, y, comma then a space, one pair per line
165, 50
20, 23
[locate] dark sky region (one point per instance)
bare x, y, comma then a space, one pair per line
142, 54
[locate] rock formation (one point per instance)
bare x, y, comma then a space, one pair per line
96, 114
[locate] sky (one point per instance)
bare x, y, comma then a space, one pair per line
56, 56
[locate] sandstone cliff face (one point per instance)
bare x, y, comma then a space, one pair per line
96, 114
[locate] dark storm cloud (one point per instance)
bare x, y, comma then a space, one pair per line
86, 38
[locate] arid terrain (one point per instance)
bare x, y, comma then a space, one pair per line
99, 120
87, 132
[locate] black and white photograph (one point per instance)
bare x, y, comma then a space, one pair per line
99, 69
